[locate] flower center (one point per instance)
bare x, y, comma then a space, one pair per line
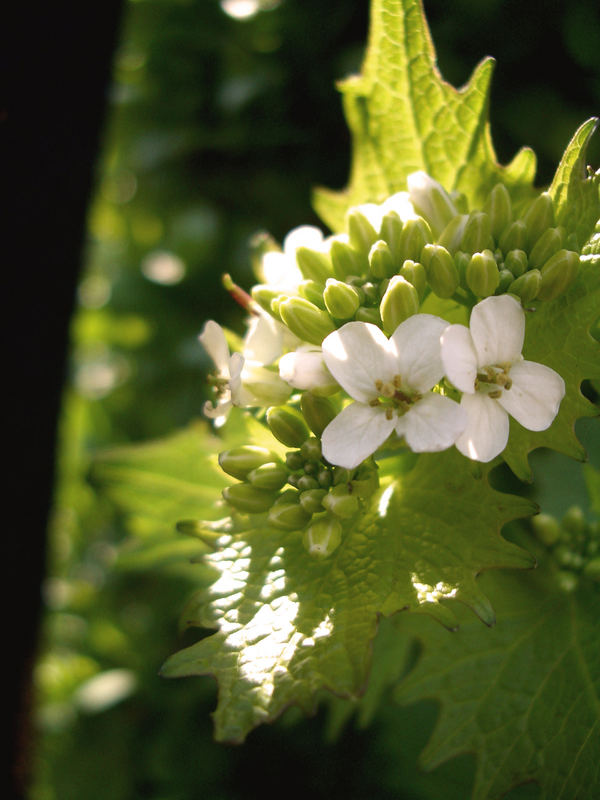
220, 384
394, 397
493, 379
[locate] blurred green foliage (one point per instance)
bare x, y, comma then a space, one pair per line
220, 127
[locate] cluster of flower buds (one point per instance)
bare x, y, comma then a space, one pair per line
574, 544
301, 492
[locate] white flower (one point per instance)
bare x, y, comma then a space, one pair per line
305, 369
279, 269
241, 379
375, 212
486, 364
390, 381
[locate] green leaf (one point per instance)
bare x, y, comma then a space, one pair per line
404, 117
525, 695
290, 625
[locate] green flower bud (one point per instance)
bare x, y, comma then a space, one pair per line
592, 569
451, 236
506, 278
341, 299
558, 273
546, 528
360, 231
294, 460
275, 303
311, 449
517, 262
322, 537
364, 314
318, 411
477, 235
289, 517
346, 260
240, 461
461, 262
264, 295
391, 229
381, 261
311, 500
272, 475
549, 243
527, 286
498, 207
567, 581
416, 233
538, 217
287, 425
399, 302
313, 292
313, 264
431, 200
574, 522
290, 496
325, 478
364, 486
306, 320
442, 274
414, 272
307, 482
514, 237
341, 475
248, 498
482, 274
340, 502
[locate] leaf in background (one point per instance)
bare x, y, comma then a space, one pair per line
289, 625
524, 696
404, 117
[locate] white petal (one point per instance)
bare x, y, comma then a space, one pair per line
219, 412
400, 203
431, 200
498, 329
260, 387
486, 433
535, 395
263, 342
373, 213
302, 236
417, 344
305, 369
432, 424
357, 355
214, 342
459, 357
280, 272
356, 432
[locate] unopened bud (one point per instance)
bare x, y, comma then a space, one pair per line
289, 516
314, 264
414, 272
505, 280
592, 569
322, 537
311, 449
340, 502
558, 273
294, 460
239, 461
245, 497
546, 528
399, 302
306, 320
341, 299
346, 260
342, 475
381, 261
539, 217
287, 425
549, 243
307, 482
498, 207
514, 237
272, 475
313, 292
451, 236
431, 201
526, 287
574, 522
416, 233
264, 295
482, 274
365, 314
442, 274
477, 235
391, 229
312, 500
361, 232
317, 411
325, 478
517, 262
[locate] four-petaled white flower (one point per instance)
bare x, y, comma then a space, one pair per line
486, 364
279, 269
241, 379
390, 381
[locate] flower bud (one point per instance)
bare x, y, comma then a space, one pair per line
516, 261
287, 425
361, 232
546, 528
592, 569
313, 292
538, 217
461, 262
477, 235
442, 274
431, 201
381, 261
289, 516
346, 260
307, 482
322, 537
498, 207
272, 475
315, 265
340, 502
414, 272
294, 460
264, 295
549, 243
451, 236
558, 273
391, 229
341, 299
239, 461
527, 286
364, 314
514, 237
574, 522
248, 498
482, 274
415, 234
318, 411
399, 302
506, 278
306, 320
311, 500
311, 449
342, 475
